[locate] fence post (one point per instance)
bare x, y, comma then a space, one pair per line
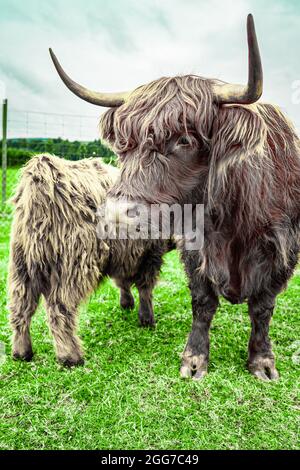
4, 149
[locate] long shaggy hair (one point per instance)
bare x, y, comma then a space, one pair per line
54, 224
55, 251
249, 180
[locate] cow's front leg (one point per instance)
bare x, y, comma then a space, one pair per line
261, 360
196, 353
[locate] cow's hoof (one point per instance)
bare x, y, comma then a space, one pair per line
263, 368
71, 361
193, 366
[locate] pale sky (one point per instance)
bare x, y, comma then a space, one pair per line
119, 44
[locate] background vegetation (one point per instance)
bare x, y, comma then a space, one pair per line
129, 394
21, 150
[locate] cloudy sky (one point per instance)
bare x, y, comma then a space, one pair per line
119, 44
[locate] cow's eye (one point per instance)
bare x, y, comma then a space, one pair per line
184, 140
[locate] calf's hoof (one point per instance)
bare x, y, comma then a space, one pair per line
263, 368
22, 348
71, 361
127, 302
23, 356
193, 366
146, 320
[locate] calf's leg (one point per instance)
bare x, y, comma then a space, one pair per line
261, 360
146, 313
126, 297
62, 321
24, 295
145, 281
22, 308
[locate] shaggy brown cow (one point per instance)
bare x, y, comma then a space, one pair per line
55, 251
191, 139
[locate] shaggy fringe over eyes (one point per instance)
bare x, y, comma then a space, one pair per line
156, 111
254, 164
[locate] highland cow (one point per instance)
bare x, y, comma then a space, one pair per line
188, 139
55, 252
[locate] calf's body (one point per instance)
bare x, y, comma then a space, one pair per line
55, 252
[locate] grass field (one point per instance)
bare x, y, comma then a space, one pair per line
129, 394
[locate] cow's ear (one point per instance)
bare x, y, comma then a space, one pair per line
106, 127
237, 128
238, 151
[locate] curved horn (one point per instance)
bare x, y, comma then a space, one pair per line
109, 100
239, 94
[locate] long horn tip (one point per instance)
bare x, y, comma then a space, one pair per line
51, 53
55, 61
250, 22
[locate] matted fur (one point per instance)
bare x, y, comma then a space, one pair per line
248, 177
55, 251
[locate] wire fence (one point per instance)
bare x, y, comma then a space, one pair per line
34, 124
30, 132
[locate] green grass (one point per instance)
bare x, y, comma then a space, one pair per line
129, 394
